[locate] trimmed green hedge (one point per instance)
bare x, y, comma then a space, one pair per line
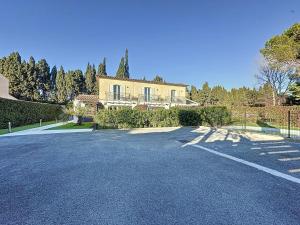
132, 118
22, 113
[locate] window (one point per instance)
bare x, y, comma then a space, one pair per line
173, 95
147, 94
116, 92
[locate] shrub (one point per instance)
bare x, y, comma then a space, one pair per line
216, 116
131, 118
22, 113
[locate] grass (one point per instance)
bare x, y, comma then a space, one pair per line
86, 125
26, 127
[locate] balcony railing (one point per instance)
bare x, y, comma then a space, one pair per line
145, 99
118, 96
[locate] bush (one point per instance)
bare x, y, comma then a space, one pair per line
22, 113
216, 116
132, 118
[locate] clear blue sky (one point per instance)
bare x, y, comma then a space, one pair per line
184, 41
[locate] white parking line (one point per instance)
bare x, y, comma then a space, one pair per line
278, 146
280, 152
289, 159
255, 148
294, 171
254, 165
272, 143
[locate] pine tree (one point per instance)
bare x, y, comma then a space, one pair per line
194, 94
205, 95
126, 65
102, 68
61, 86
121, 69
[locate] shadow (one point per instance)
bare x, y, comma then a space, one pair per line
264, 124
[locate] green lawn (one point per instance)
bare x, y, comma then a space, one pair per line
25, 127
86, 125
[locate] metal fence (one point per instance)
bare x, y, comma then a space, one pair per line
283, 121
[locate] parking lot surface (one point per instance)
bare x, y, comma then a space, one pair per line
149, 176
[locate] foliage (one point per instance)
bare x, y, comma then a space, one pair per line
216, 116
102, 68
90, 79
131, 118
158, 79
123, 69
61, 92
22, 112
276, 116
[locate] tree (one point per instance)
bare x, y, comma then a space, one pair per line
61, 86
31, 81
53, 74
158, 79
194, 95
69, 83
121, 70
102, 68
205, 95
90, 79
278, 77
126, 64
11, 68
78, 82
43, 78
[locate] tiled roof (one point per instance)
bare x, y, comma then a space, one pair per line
88, 98
140, 80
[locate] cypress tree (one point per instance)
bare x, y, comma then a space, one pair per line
78, 82
53, 74
70, 85
102, 68
126, 65
90, 79
61, 86
121, 69
32, 81
43, 78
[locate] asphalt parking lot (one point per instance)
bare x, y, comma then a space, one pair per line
154, 176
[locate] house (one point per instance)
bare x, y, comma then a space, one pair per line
4, 88
121, 92
117, 92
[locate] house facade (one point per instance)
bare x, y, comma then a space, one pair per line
119, 92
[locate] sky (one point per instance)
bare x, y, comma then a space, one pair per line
184, 41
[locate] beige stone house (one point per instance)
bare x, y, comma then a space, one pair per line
4, 88
123, 92
116, 92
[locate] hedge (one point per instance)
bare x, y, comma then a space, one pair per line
22, 112
133, 118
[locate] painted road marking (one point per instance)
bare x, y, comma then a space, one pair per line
256, 148
273, 142
280, 152
289, 159
294, 171
254, 165
282, 146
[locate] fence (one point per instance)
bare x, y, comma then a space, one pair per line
280, 120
